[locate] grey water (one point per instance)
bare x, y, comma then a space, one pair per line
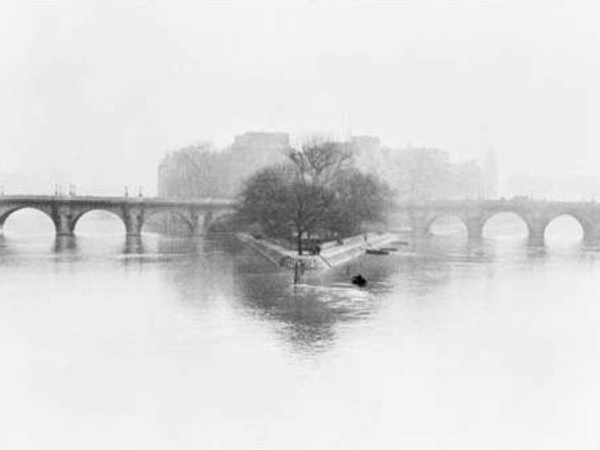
109, 343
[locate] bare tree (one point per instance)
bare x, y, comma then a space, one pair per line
320, 161
317, 193
283, 205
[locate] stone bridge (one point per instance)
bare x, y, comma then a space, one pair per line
65, 211
537, 215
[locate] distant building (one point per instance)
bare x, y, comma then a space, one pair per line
367, 153
490, 175
251, 152
418, 173
365, 145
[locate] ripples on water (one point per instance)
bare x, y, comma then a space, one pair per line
157, 343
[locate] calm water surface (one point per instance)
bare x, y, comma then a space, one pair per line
200, 344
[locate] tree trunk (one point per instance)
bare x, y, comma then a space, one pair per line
299, 242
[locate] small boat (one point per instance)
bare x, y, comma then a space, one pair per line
359, 280
377, 251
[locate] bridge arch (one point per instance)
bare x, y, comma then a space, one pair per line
181, 216
5, 213
521, 218
78, 216
445, 216
586, 226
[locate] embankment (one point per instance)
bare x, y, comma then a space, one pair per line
333, 254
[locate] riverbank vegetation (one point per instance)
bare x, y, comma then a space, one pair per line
317, 194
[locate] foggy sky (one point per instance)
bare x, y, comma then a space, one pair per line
95, 92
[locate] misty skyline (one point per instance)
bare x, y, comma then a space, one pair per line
97, 92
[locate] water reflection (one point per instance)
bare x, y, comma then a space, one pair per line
65, 244
169, 333
218, 270
133, 245
300, 317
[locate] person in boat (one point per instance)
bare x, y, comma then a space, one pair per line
359, 280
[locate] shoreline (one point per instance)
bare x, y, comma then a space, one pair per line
332, 254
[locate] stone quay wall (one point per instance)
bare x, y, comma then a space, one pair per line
333, 254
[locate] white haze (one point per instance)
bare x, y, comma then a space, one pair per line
94, 92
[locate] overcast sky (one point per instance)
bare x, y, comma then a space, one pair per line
96, 91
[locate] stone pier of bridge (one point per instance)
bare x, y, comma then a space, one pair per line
66, 217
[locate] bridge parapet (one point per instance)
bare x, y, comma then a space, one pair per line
65, 212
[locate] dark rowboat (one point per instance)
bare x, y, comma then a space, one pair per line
359, 280
377, 251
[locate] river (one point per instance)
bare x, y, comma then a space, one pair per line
169, 343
